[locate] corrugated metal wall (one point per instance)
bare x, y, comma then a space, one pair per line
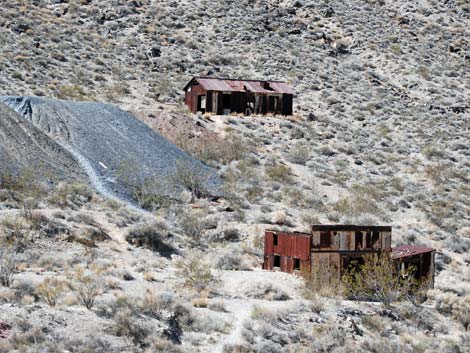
290, 246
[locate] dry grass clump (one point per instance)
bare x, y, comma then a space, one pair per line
266, 291
299, 154
145, 189
254, 245
278, 172
164, 346
321, 284
452, 304
355, 206
126, 324
71, 195
212, 148
24, 186
155, 304
190, 178
193, 224
232, 261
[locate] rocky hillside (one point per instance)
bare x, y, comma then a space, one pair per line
354, 59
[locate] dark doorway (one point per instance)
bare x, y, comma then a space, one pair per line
325, 239
226, 103
358, 241
201, 104
272, 104
277, 261
296, 264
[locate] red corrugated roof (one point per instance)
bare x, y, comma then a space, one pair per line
230, 85
409, 250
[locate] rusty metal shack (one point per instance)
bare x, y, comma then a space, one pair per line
330, 247
225, 96
336, 248
420, 257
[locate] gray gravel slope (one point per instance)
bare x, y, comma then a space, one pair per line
101, 137
22, 145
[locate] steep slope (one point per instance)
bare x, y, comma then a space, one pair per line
340, 56
110, 145
22, 145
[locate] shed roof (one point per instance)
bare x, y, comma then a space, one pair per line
234, 85
295, 233
348, 227
409, 250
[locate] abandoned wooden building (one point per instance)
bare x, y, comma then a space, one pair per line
336, 248
226, 96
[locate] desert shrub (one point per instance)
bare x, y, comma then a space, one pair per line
71, 195
195, 272
280, 218
217, 305
190, 177
145, 189
153, 304
87, 286
309, 218
150, 236
266, 291
126, 324
50, 289
375, 323
457, 307
25, 288
431, 151
319, 282
192, 224
299, 154
213, 148
15, 232
232, 261
278, 172
8, 266
164, 346
379, 280
190, 320
254, 245
355, 206
25, 186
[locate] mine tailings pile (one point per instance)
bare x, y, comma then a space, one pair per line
103, 138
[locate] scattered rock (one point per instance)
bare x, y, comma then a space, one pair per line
5, 329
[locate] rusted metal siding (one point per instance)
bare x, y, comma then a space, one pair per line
192, 93
290, 246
